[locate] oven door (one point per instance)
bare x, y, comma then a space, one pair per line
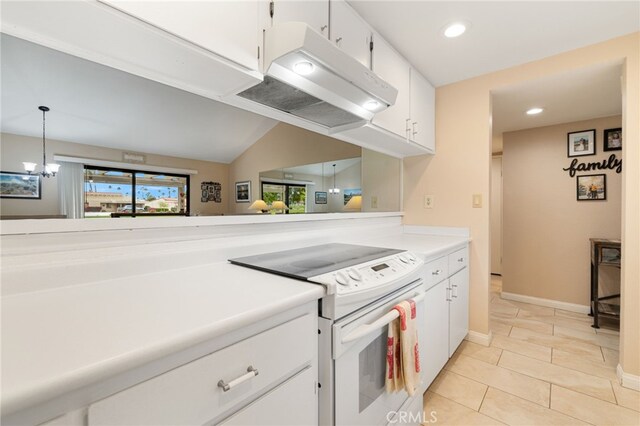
360, 346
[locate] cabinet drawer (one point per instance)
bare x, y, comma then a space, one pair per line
458, 260
190, 395
436, 271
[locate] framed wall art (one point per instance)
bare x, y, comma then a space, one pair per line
581, 143
20, 185
321, 197
612, 140
591, 187
243, 191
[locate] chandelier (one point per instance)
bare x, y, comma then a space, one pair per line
335, 189
48, 170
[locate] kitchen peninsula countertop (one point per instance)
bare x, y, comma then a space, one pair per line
62, 339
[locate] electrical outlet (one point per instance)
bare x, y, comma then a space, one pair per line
374, 202
428, 201
477, 201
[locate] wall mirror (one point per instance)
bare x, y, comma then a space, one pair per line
129, 146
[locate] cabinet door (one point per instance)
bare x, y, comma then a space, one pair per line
436, 344
459, 309
292, 403
314, 12
392, 67
423, 113
350, 32
227, 28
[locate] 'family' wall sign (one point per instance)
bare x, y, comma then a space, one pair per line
612, 163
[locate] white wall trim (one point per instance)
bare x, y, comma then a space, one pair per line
627, 380
480, 338
121, 165
573, 307
436, 230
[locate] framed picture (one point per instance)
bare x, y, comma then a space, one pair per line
20, 185
348, 193
612, 139
591, 187
243, 191
581, 143
321, 198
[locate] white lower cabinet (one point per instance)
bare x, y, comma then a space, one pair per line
447, 309
436, 344
458, 309
293, 403
279, 364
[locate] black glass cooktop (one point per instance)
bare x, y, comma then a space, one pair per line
307, 262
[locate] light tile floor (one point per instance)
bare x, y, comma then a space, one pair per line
545, 366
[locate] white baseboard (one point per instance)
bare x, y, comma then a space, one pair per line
628, 380
479, 338
573, 307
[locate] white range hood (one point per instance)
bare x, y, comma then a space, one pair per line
309, 77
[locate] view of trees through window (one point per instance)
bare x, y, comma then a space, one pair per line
294, 196
119, 192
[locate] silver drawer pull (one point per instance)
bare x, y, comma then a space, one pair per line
461, 259
454, 290
251, 372
436, 272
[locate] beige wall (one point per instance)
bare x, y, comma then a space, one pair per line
15, 149
463, 163
283, 146
496, 214
546, 231
381, 176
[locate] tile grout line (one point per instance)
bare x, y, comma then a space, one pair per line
563, 413
483, 397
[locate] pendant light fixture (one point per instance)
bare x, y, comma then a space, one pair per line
48, 170
335, 189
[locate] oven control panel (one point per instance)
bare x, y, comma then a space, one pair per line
369, 275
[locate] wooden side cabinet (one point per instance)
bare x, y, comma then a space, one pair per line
604, 252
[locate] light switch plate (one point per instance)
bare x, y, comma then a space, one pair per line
428, 201
477, 201
374, 202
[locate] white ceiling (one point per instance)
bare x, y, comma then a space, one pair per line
97, 105
502, 33
573, 96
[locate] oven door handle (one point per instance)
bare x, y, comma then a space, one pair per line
365, 329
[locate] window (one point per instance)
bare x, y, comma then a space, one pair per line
118, 192
294, 196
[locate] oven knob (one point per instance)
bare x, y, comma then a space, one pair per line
403, 258
355, 274
411, 257
341, 278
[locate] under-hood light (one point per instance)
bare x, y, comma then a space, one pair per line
303, 68
372, 105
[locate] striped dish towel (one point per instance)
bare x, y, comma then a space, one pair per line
403, 356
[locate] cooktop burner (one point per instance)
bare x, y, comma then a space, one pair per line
307, 262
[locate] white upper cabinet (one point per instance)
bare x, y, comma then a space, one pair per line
423, 97
314, 12
350, 32
394, 69
227, 28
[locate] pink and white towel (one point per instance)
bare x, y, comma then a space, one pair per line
403, 355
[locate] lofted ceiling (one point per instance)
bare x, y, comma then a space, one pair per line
501, 34
96, 105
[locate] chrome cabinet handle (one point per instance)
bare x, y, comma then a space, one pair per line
456, 291
461, 259
322, 28
436, 272
338, 40
448, 295
408, 129
251, 372
415, 132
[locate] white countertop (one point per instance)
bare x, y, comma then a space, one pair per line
61, 339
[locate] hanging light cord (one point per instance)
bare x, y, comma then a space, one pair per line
44, 152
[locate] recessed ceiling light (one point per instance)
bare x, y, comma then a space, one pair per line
454, 30
534, 111
303, 67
